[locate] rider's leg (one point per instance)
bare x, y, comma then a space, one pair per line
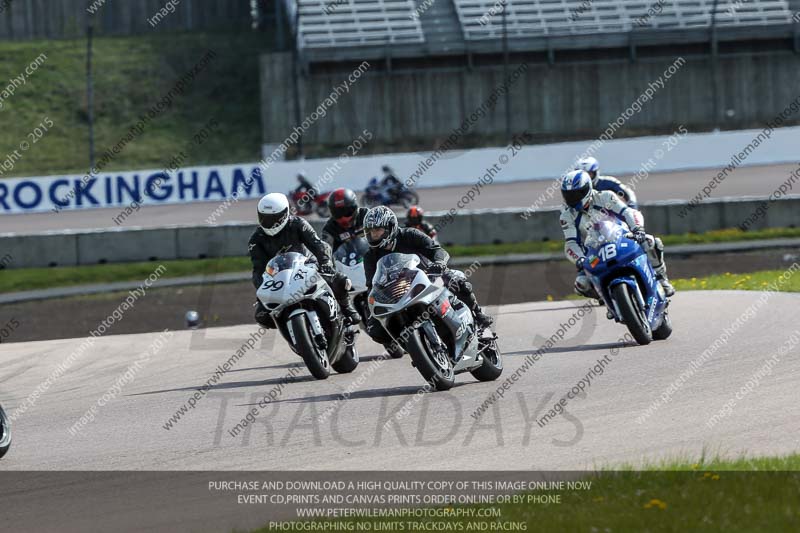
655, 252
458, 284
339, 285
583, 287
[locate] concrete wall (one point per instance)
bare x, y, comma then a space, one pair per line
564, 100
489, 226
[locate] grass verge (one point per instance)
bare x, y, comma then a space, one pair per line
754, 281
718, 495
40, 278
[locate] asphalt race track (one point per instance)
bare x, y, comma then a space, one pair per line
312, 426
746, 181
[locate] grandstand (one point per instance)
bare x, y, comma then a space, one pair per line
331, 30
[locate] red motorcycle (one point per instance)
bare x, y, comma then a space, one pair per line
305, 203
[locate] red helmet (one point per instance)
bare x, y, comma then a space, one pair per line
343, 205
415, 214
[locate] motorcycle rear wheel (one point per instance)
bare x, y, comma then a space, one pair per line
632, 315
436, 369
316, 360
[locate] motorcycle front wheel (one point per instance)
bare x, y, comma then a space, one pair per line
433, 364
316, 360
632, 314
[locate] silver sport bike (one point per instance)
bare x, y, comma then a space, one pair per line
307, 314
431, 324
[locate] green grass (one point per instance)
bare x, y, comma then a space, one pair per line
725, 235
744, 494
40, 278
753, 281
132, 74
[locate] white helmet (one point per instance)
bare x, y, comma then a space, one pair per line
576, 189
273, 213
590, 165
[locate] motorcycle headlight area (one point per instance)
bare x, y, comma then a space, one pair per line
393, 290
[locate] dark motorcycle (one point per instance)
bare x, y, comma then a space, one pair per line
376, 195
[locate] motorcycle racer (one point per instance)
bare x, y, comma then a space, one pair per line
591, 166
583, 206
347, 219
414, 220
279, 232
385, 237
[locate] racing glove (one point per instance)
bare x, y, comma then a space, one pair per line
326, 269
638, 234
437, 269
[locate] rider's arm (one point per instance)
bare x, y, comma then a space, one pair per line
259, 260
429, 229
370, 265
328, 236
572, 249
632, 217
427, 247
623, 191
314, 244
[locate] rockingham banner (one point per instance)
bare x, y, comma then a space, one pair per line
145, 187
623, 157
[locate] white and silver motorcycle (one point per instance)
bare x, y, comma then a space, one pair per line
349, 259
431, 324
307, 314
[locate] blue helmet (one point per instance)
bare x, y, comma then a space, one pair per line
576, 189
590, 165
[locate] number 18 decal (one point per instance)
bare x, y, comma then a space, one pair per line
608, 251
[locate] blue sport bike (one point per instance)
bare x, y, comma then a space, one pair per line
623, 277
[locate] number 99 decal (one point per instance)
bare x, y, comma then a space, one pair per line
272, 285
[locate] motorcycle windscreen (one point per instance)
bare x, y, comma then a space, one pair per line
393, 277
285, 261
352, 252
604, 230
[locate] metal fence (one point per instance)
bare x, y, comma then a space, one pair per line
64, 19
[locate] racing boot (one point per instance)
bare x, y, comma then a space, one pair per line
669, 290
482, 319
351, 316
